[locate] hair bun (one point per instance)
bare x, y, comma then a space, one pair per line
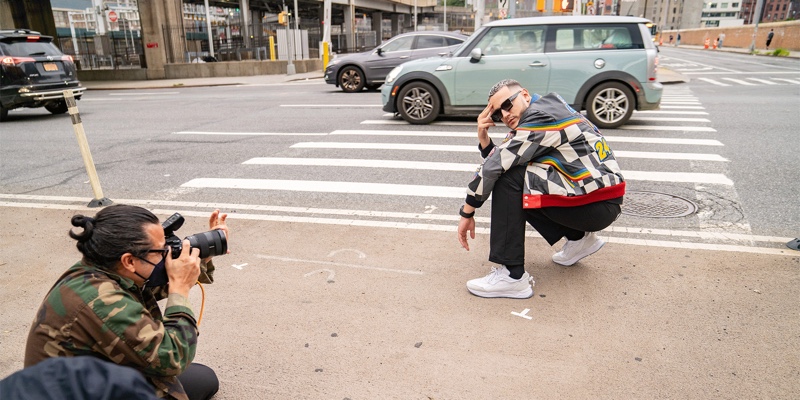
82, 221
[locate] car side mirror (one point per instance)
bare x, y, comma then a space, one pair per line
476, 54
380, 51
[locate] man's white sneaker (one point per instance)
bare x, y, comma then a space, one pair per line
574, 250
499, 284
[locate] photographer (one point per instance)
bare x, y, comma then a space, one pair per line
106, 304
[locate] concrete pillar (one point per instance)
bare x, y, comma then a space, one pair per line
25, 14
151, 15
395, 25
377, 26
350, 26
173, 18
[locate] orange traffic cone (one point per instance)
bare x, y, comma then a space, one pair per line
716, 41
706, 44
661, 41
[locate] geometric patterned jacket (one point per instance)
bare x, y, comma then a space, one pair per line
93, 311
569, 163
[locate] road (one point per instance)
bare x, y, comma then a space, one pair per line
345, 278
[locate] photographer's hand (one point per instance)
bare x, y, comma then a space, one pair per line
217, 221
184, 270
484, 123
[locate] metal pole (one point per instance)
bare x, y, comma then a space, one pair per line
757, 18
88, 162
296, 28
445, 15
290, 70
415, 15
208, 25
480, 6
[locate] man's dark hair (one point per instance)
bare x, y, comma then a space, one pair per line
114, 231
510, 83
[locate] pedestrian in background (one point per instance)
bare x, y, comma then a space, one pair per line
769, 37
678, 42
721, 39
670, 39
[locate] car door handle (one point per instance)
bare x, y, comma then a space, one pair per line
403, 57
537, 64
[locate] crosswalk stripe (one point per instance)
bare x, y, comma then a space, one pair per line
620, 139
764, 81
787, 80
713, 81
668, 128
670, 112
684, 177
685, 103
472, 149
683, 107
329, 187
402, 122
668, 119
249, 133
330, 105
739, 81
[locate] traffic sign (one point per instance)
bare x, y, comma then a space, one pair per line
112, 16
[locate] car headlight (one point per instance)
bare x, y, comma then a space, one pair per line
393, 74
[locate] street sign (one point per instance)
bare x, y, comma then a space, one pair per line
112, 16
502, 8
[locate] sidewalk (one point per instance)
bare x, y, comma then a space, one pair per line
199, 82
762, 52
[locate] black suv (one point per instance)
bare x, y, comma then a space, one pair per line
34, 73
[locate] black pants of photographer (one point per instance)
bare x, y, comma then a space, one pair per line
507, 237
199, 382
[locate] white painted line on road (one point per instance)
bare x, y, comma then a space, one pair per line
685, 177
386, 189
678, 103
713, 81
739, 81
523, 314
668, 128
402, 122
619, 139
670, 112
470, 149
336, 264
684, 107
412, 226
346, 162
703, 65
249, 133
142, 93
668, 119
787, 80
668, 156
330, 105
764, 81
84, 98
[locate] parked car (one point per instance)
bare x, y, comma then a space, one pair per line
34, 73
353, 72
604, 65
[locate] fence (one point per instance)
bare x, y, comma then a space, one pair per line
114, 50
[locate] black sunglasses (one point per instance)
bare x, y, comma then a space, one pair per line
507, 105
163, 251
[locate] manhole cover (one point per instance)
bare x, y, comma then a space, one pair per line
656, 205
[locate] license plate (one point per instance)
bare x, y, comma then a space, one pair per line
50, 67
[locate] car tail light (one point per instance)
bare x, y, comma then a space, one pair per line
66, 58
33, 38
652, 76
16, 60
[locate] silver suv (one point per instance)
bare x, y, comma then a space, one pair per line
604, 65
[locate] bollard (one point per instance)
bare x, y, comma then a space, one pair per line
325, 55
794, 244
77, 125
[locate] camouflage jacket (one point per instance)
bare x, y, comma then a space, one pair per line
92, 311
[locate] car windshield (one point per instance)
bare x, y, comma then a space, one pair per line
23, 49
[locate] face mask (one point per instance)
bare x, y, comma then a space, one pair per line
159, 275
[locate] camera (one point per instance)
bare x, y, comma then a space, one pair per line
211, 243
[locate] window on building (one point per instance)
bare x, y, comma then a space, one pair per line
734, 5
723, 5
713, 5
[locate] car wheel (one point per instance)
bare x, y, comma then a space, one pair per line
418, 103
351, 79
57, 107
3, 113
610, 105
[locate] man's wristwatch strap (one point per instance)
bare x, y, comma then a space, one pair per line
464, 214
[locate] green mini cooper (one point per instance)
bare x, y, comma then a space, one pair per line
604, 65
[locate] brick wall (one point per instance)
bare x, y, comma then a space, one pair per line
787, 35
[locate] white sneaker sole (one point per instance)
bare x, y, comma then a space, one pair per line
594, 249
525, 294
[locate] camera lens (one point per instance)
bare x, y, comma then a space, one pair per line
211, 243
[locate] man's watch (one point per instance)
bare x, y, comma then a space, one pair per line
464, 214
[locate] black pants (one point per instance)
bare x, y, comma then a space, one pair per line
507, 238
199, 382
